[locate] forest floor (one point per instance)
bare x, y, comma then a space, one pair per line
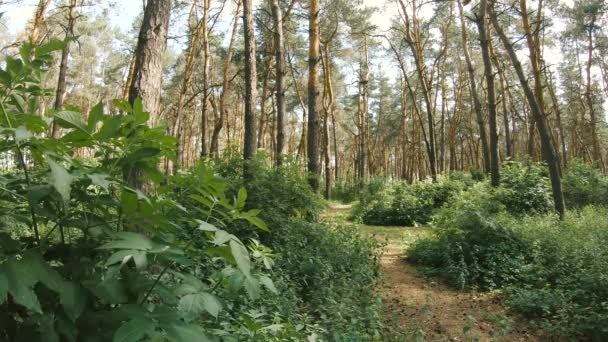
427, 309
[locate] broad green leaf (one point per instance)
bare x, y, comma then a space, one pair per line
223, 252
181, 332
25, 296
23, 274
221, 237
110, 128
71, 119
122, 105
241, 198
256, 221
194, 304
202, 200
140, 115
60, 179
123, 256
19, 102
128, 201
54, 44
134, 330
95, 116
241, 256
206, 226
268, 283
100, 180
252, 286
73, 300
37, 192
110, 291
129, 240
67, 328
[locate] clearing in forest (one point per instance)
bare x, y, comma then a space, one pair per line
426, 308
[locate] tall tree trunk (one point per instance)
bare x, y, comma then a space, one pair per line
484, 42
223, 112
483, 136
129, 80
544, 132
313, 94
150, 51
205, 80
148, 71
279, 49
249, 147
589, 97
328, 109
185, 84
63, 66
412, 32
558, 119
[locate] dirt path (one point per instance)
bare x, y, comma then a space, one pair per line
428, 309
438, 313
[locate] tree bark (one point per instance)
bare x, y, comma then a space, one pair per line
249, 147
313, 94
63, 66
483, 136
484, 42
537, 111
150, 51
279, 49
219, 123
205, 80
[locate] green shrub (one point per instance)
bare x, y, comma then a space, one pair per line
333, 270
524, 188
567, 287
279, 192
555, 273
345, 192
402, 204
472, 250
584, 184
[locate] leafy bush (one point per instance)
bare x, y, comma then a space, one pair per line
333, 270
524, 188
100, 250
345, 192
553, 272
472, 250
403, 204
584, 184
279, 192
567, 286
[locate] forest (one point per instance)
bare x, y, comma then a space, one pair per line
303, 170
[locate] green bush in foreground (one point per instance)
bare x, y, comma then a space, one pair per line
112, 249
555, 273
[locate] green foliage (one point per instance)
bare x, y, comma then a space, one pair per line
584, 184
102, 250
279, 192
553, 272
345, 192
403, 204
333, 271
524, 188
565, 288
